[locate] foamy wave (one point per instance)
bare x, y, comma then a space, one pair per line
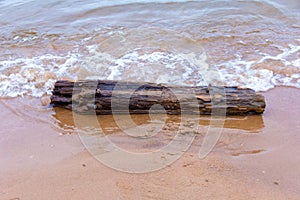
263, 74
159, 66
149, 65
34, 76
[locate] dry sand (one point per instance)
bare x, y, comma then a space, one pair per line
257, 157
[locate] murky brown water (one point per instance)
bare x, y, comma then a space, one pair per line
249, 43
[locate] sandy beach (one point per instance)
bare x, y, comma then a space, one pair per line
257, 157
51, 153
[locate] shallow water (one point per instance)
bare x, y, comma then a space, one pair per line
252, 44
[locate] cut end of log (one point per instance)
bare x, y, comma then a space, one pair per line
115, 97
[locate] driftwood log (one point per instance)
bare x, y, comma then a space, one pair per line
107, 97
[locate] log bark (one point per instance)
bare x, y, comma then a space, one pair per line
107, 97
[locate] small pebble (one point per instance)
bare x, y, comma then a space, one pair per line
45, 101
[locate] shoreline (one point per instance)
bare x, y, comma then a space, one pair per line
255, 158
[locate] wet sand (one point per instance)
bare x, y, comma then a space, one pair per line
257, 157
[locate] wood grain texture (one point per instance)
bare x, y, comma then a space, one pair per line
89, 97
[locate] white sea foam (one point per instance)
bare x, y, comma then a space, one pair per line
259, 77
143, 65
36, 76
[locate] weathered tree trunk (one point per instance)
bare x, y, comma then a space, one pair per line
107, 97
